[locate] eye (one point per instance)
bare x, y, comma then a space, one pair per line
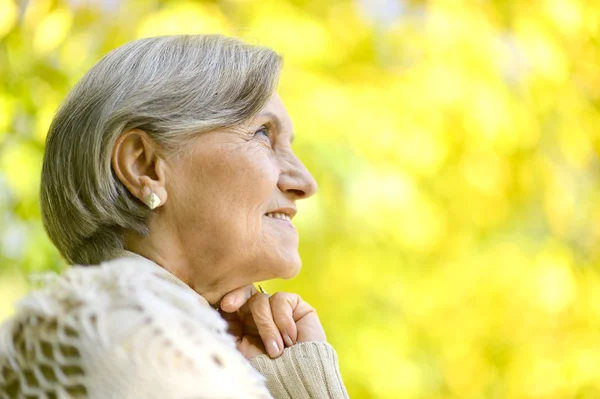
261, 131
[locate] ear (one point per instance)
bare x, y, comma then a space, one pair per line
138, 166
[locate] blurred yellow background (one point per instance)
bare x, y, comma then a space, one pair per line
453, 250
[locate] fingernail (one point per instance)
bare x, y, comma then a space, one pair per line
272, 348
288, 341
228, 302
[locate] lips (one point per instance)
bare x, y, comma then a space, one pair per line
282, 213
279, 215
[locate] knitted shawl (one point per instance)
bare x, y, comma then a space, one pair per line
129, 329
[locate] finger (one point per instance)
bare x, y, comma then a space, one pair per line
267, 329
283, 305
235, 299
307, 323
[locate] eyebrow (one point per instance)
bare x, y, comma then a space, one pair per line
276, 121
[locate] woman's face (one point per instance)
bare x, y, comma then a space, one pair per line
232, 199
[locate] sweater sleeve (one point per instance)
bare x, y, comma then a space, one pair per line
305, 370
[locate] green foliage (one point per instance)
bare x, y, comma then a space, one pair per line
453, 249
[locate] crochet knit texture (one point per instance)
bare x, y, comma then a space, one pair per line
125, 329
117, 330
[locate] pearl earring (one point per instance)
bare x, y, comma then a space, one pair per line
152, 200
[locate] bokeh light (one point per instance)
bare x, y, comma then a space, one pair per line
453, 250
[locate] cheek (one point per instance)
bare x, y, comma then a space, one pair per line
261, 182
250, 176
233, 178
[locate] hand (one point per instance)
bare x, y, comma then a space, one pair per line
266, 324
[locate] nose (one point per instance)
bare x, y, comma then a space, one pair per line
295, 180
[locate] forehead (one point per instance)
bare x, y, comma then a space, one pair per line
275, 103
275, 109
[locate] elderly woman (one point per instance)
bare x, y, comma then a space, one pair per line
170, 169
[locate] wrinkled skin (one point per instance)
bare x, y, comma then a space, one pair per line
215, 228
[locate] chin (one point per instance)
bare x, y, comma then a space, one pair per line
288, 268
291, 272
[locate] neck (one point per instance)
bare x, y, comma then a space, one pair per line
203, 277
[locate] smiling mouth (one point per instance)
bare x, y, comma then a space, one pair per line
279, 215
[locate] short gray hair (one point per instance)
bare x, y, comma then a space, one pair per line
171, 87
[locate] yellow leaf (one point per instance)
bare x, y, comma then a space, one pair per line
52, 30
184, 18
8, 16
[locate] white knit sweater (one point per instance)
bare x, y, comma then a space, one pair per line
128, 329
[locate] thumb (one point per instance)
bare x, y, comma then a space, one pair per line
235, 299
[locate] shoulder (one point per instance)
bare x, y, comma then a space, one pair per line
119, 327
125, 290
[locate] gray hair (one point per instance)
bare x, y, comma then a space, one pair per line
171, 87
